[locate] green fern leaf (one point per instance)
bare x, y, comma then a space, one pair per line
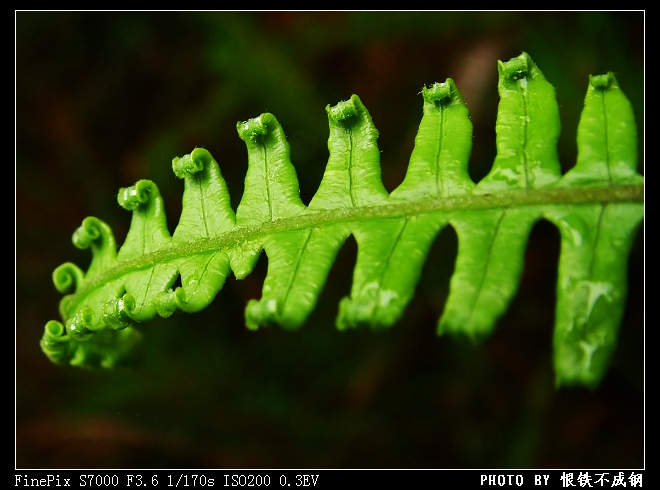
597, 207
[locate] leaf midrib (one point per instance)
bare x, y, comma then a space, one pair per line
313, 218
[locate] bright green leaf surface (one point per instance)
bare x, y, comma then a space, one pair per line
596, 240
597, 207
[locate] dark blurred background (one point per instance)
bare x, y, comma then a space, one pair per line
104, 99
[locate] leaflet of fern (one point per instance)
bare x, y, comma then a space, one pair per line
492, 242
596, 239
394, 232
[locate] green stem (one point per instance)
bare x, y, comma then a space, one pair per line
318, 219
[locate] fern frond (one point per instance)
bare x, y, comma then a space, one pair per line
597, 207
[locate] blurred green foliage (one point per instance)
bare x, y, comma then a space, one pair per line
106, 98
